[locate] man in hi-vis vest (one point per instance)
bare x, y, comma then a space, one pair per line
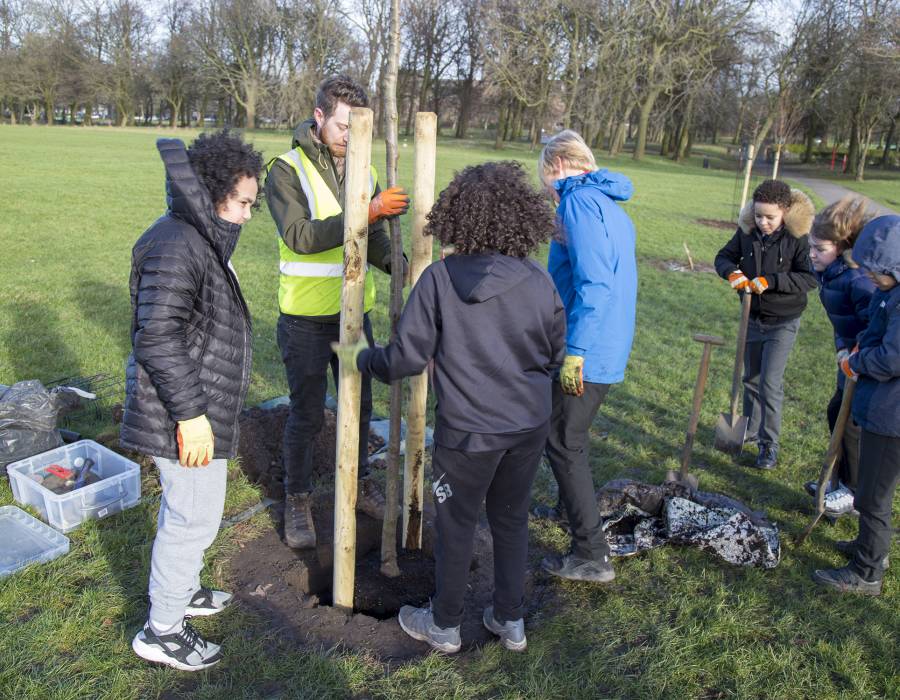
305, 191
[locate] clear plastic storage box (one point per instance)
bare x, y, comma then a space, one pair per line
25, 540
119, 486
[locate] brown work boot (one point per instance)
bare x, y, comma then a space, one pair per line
299, 531
369, 498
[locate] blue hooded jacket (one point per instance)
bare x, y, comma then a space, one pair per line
595, 272
845, 293
876, 403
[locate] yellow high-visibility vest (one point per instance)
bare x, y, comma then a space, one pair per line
310, 285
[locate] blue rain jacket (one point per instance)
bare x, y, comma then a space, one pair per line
595, 272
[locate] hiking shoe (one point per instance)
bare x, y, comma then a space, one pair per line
185, 649
839, 501
299, 530
846, 580
848, 548
206, 601
511, 632
577, 569
418, 623
369, 499
767, 457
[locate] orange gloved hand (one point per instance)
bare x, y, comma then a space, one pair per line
758, 285
391, 202
738, 280
845, 365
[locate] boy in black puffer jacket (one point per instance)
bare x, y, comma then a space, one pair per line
768, 256
495, 326
187, 377
875, 364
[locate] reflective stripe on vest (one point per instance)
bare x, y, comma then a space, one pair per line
310, 285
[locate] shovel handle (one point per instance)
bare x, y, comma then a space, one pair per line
699, 388
739, 352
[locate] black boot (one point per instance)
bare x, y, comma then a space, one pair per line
767, 457
299, 530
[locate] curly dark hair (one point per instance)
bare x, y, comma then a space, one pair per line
222, 158
773, 192
491, 207
340, 88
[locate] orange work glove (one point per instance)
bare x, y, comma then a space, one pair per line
391, 202
195, 442
845, 365
738, 280
758, 285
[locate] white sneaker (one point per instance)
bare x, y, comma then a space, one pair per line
839, 501
184, 649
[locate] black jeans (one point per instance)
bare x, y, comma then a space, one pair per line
462, 480
765, 358
879, 473
306, 352
567, 450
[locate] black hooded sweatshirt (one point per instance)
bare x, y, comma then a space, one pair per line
496, 329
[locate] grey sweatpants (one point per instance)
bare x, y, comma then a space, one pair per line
190, 513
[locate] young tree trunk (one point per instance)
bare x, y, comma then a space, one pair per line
389, 566
810, 138
48, 107
889, 139
502, 118
853, 149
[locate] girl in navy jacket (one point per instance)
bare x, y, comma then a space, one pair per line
845, 291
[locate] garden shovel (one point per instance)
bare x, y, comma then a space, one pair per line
835, 449
732, 427
682, 476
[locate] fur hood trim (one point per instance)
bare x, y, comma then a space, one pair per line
797, 220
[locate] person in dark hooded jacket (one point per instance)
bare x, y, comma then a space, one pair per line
492, 321
187, 377
874, 363
768, 257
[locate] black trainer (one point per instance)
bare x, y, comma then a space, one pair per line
577, 569
206, 601
848, 548
767, 457
846, 580
185, 650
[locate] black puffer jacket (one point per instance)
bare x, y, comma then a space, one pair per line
782, 258
190, 326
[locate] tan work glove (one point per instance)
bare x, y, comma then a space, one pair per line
571, 376
348, 353
195, 442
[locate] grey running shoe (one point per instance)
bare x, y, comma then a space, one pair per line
418, 623
299, 530
185, 650
578, 569
206, 601
846, 580
511, 632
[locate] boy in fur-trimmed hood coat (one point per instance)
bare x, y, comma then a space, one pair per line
768, 256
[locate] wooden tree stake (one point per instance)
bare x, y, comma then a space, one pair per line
357, 189
751, 151
423, 199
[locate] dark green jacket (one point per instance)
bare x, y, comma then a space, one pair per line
290, 208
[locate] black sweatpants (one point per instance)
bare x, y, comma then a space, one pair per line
879, 474
305, 346
501, 479
567, 450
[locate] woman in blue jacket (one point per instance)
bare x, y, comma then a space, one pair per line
592, 262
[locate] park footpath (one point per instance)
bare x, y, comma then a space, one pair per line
831, 191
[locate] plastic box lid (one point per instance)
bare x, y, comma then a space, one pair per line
26, 540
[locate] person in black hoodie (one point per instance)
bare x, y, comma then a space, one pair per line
768, 256
187, 377
491, 319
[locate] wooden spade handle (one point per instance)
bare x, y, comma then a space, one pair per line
739, 353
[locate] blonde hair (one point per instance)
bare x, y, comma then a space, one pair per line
841, 221
569, 147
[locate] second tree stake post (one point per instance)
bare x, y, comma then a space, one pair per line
357, 192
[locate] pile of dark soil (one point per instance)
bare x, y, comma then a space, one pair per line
291, 589
259, 447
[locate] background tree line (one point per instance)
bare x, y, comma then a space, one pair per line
623, 72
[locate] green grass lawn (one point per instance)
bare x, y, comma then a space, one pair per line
677, 623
